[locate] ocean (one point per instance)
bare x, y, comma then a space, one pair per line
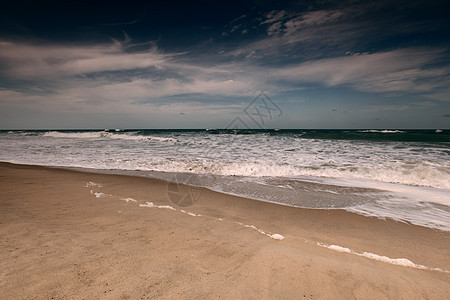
398, 174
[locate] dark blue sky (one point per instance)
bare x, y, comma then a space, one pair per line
138, 64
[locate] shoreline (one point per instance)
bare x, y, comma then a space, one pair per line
80, 245
308, 196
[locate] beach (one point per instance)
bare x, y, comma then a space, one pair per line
76, 235
225, 150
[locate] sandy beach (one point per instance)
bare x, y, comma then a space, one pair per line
75, 235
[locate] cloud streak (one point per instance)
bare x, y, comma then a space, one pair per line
41, 61
398, 70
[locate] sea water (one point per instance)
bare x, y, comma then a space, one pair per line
399, 174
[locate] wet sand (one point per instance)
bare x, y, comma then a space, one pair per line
60, 241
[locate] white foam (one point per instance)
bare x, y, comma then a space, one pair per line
128, 200
255, 228
381, 131
117, 135
161, 139
165, 207
100, 195
394, 261
337, 248
275, 236
416, 205
419, 173
330, 191
24, 133
190, 213
95, 135
150, 204
91, 183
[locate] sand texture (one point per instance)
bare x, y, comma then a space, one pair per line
63, 236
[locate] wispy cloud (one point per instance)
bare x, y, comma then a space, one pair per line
442, 94
306, 35
274, 16
235, 27
238, 18
111, 75
41, 61
398, 70
387, 108
310, 19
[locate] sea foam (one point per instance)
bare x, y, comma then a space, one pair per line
190, 213
128, 200
100, 195
381, 131
91, 183
150, 204
394, 261
275, 236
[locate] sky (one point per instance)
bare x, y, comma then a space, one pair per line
205, 64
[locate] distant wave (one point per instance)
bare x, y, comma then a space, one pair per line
381, 131
104, 135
